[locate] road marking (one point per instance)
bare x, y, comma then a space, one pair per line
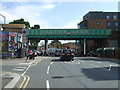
23, 63
24, 82
22, 67
94, 65
100, 67
26, 70
73, 62
18, 69
25, 85
111, 66
81, 61
47, 85
51, 63
13, 82
48, 69
98, 62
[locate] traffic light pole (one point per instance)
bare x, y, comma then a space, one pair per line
46, 44
84, 46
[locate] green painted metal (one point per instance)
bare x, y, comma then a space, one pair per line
69, 33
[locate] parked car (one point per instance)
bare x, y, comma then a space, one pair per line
67, 54
52, 51
46, 53
92, 53
38, 53
58, 52
35, 52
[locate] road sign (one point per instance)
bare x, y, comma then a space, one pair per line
24, 32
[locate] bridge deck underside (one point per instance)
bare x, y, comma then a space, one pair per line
68, 38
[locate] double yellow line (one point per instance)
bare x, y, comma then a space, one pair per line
24, 82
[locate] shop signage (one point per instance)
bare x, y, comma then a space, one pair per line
3, 36
13, 34
12, 43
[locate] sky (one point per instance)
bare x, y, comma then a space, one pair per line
53, 13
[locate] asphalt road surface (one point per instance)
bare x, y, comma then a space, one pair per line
83, 72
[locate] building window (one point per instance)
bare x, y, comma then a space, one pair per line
97, 23
114, 17
108, 24
116, 24
107, 17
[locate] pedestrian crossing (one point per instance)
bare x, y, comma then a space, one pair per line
20, 68
72, 62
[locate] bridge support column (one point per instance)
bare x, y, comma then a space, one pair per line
46, 44
84, 46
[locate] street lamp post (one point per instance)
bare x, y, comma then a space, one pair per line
4, 18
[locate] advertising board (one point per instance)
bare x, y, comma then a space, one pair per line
12, 44
4, 36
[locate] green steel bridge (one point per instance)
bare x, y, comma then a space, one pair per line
68, 34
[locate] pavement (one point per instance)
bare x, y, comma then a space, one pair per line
9, 79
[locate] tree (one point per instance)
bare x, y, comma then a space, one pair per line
21, 21
36, 27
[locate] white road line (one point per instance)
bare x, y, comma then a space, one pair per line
48, 69
26, 70
18, 69
112, 66
94, 65
100, 67
47, 85
51, 63
81, 61
22, 67
98, 62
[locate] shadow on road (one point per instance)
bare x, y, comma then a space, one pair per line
61, 77
56, 60
101, 59
103, 73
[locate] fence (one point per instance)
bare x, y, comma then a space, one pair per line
109, 52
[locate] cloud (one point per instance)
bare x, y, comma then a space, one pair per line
72, 24
30, 12
8, 16
60, 0
48, 6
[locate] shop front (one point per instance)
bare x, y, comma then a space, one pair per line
10, 43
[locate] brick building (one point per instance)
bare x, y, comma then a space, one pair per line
103, 20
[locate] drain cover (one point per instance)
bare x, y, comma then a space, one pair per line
57, 77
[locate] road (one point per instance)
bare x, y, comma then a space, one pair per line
83, 72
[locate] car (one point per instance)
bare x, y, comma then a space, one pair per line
35, 52
58, 52
92, 53
67, 54
46, 53
38, 53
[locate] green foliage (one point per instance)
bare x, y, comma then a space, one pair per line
59, 45
36, 27
21, 21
